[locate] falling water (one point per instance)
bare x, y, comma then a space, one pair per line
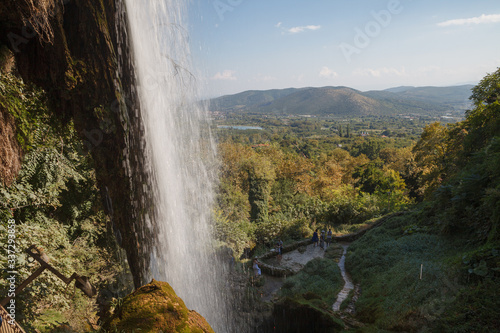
180, 155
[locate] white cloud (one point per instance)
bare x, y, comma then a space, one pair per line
278, 25
226, 75
379, 72
303, 28
473, 20
327, 73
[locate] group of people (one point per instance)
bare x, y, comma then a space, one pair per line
322, 240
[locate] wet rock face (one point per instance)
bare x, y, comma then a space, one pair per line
156, 308
78, 52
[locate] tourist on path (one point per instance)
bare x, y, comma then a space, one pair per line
315, 238
256, 269
328, 237
279, 248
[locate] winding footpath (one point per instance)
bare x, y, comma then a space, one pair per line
348, 285
293, 260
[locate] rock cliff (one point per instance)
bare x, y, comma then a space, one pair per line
78, 52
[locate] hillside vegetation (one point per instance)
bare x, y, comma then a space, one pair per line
453, 236
54, 203
344, 101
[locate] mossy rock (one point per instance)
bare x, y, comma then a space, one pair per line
156, 308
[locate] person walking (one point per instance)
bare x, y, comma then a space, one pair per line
315, 238
279, 247
328, 237
256, 269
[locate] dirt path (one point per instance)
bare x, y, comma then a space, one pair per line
295, 260
348, 285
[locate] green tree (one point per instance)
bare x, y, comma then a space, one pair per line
261, 175
370, 147
482, 122
430, 155
369, 177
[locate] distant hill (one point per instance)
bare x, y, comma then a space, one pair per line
344, 101
451, 96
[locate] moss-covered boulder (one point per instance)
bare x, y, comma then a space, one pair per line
156, 308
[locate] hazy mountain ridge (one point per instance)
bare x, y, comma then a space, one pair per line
345, 101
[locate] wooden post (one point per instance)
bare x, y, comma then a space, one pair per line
81, 283
421, 269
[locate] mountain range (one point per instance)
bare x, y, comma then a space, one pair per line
345, 101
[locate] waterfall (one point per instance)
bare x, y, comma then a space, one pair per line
180, 159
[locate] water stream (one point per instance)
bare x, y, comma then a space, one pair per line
181, 159
348, 285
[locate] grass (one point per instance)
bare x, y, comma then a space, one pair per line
318, 282
387, 262
306, 299
344, 229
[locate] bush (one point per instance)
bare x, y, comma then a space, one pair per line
352, 210
280, 227
237, 235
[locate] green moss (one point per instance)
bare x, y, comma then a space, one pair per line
27, 104
153, 308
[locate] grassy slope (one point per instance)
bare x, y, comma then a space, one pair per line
306, 298
448, 298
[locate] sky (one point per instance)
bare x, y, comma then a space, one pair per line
240, 45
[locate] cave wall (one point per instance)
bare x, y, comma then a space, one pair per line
78, 51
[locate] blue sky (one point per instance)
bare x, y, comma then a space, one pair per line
240, 45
